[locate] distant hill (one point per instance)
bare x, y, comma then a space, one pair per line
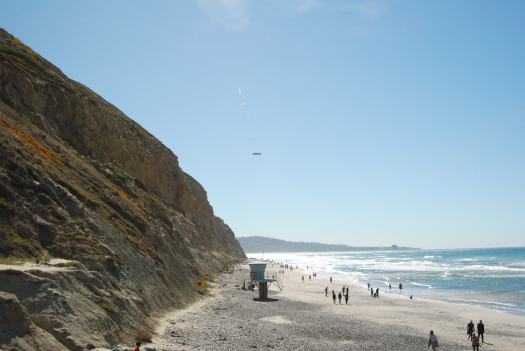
261, 243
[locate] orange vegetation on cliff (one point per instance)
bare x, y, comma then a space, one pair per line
29, 141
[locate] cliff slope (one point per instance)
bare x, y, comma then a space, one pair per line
82, 182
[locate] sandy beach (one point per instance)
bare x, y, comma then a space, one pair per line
302, 318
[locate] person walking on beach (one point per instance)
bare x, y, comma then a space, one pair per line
433, 341
368, 285
390, 286
400, 286
339, 296
377, 293
333, 296
326, 291
372, 291
347, 290
475, 342
481, 330
330, 279
346, 298
470, 330
303, 278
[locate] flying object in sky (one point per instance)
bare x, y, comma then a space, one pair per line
256, 153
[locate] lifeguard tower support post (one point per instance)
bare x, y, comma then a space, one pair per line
257, 276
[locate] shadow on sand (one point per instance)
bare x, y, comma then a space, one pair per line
264, 300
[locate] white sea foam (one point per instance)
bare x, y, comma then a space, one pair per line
470, 259
485, 302
492, 268
428, 286
445, 274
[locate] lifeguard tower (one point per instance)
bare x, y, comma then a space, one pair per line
257, 276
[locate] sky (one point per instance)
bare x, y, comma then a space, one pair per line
379, 122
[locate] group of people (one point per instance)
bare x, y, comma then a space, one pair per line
284, 268
309, 276
247, 285
340, 295
472, 334
372, 292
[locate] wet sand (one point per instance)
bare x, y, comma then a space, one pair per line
302, 318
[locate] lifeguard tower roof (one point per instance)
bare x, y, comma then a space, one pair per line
257, 270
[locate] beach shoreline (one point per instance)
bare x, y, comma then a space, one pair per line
302, 317
491, 278
396, 293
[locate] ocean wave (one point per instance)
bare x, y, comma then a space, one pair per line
471, 259
428, 286
492, 268
485, 302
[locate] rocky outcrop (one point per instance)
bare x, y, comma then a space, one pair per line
17, 329
81, 181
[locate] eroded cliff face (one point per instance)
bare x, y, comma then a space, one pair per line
82, 181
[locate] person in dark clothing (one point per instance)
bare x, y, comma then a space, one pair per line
400, 286
390, 286
433, 341
470, 330
481, 330
475, 342
346, 298
377, 292
137, 348
339, 296
371, 291
368, 285
326, 291
333, 295
330, 279
347, 290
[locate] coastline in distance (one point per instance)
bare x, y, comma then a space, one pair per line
261, 243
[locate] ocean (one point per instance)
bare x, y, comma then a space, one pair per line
493, 278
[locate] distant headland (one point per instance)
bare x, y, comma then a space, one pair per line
261, 243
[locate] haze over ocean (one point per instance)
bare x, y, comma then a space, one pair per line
484, 277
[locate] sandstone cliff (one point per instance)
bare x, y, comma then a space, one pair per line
81, 181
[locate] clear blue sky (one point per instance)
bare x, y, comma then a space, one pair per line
379, 122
